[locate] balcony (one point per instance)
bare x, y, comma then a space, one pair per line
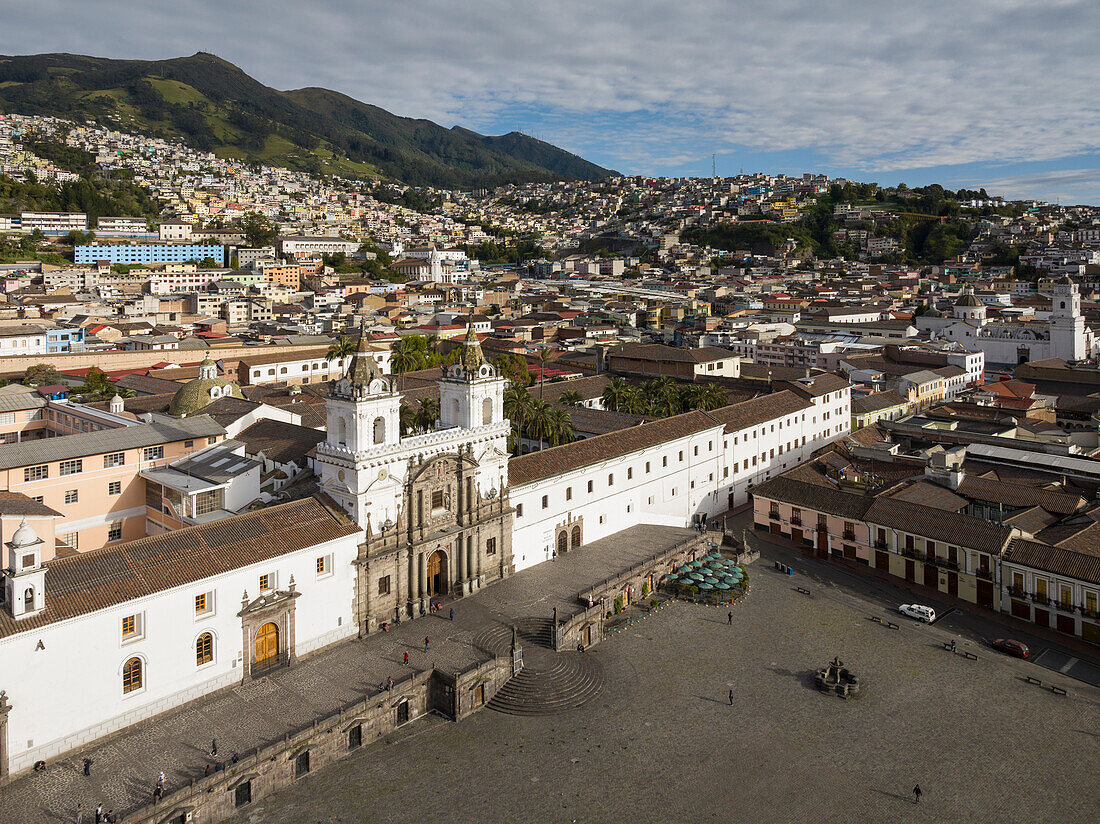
796, 521
774, 516
912, 553
880, 544
987, 574
1017, 592
848, 535
943, 562
1040, 599
1065, 606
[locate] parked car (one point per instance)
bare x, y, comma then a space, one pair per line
918, 611
1010, 646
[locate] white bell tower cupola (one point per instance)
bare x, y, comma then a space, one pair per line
24, 575
471, 393
364, 408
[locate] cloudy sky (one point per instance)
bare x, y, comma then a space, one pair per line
994, 93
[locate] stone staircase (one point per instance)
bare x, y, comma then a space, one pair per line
550, 682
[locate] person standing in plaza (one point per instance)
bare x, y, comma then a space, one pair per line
214, 747
406, 661
427, 643
88, 766
731, 698
917, 794
452, 613
79, 814
729, 618
98, 814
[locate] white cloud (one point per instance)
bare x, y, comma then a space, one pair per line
868, 86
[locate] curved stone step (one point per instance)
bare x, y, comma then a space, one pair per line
553, 683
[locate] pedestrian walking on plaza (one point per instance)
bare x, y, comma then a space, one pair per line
88, 766
731, 698
111, 817
98, 814
160, 778
452, 613
729, 618
79, 814
214, 747
917, 794
427, 643
954, 645
389, 683
158, 791
406, 661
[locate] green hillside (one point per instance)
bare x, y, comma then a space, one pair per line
214, 106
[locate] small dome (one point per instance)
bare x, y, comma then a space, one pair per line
968, 300
24, 536
195, 395
933, 312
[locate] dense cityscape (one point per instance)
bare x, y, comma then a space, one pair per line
294, 457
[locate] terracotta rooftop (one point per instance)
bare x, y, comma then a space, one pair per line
101, 578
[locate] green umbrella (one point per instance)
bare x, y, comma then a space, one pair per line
697, 576
710, 579
721, 585
705, 585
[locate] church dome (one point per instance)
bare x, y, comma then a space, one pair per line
24, 536
196, 395
933, 312
968, 300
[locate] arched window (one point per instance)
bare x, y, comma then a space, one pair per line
563, 542
487, 411
28, 599
204, 649
379, 430
454, 410
132, 675
576, 539
1063, 304
341, 433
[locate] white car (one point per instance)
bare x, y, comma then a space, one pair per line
918, 611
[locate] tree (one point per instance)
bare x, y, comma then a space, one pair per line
540, 423
404, 355
514, 368
615, 394
427, 413
518, 406
258, 231
544, 358
41, 374
342, 347
560, 426
407, 417
97, 387
570, 397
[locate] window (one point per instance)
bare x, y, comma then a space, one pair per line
629, 472
188, 444
545, 501
153, 453
72, 539
437, 499
569, 493
71, 496
204, 649
696, 451
36, 473
519, 510
213, 439
131, 676
114, 531
611, 479
491, 546
324, 565
664, 460
355, 737
384, 585
590, 486
681, 456
71, 467
204, 603
114, 459
208, 501
114, 488
301, 764
267, 582
132, 628
242, 794
647, 467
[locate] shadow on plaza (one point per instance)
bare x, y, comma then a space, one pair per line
804, 677
907, 798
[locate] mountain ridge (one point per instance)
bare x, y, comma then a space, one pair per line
214, 105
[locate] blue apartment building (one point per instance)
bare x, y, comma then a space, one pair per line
59, 341
148, 253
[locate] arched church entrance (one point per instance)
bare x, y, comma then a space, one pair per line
437, 573
563, 542
267, 644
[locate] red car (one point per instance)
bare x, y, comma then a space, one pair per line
1011, 647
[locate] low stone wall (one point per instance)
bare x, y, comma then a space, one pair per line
259, 773
571, 632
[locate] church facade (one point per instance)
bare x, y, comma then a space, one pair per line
434, 507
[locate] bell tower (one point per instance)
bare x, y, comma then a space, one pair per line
1067, 327
471, 393
24, 575
363, 407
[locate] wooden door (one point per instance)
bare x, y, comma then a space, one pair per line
985, 594
796, 534
931, 576
910, 569
882, 560
952, 583
437, 573
267, 643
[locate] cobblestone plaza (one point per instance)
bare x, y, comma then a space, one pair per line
662, 742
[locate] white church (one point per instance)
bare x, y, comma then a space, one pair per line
1063, 335
152, 624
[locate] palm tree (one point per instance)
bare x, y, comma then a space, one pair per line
544, 358
518, 405
713, 396
664, 396
404, 355
540, 423
427, 413
407, 420
341, 348
615, 393
560, 427
570, 397
431, 342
